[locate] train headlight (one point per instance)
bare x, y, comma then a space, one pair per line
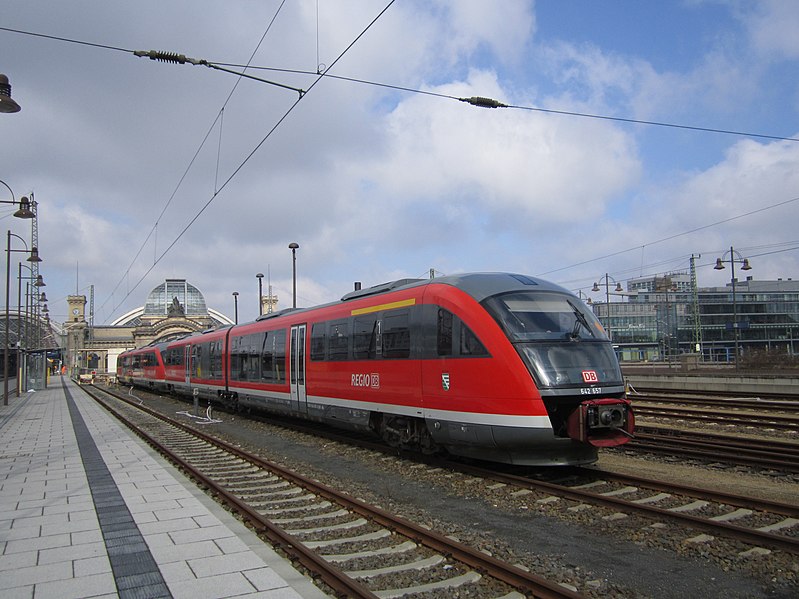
612, 416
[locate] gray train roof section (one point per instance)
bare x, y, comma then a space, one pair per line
478, 285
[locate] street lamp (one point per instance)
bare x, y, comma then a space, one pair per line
24, 204
294, 247
618, 289
260, 277
32, 258
744, 262
6, 103
236, 307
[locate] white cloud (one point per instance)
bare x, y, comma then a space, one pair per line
773, 25
506, 160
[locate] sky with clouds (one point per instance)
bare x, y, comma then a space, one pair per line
147, 170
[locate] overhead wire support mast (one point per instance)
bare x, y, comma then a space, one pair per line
183, 59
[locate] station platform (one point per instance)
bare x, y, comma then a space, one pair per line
88, 510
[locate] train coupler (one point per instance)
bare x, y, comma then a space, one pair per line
602, 422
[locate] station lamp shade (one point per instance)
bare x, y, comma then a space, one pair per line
619, 288
43, 297
746, 265
24, 208
39, 282
719, 264
34, 257
45, 309
6, 103
595, 287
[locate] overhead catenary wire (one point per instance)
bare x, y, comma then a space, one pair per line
671, 237
478, 101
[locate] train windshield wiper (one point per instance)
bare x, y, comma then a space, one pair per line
580, 321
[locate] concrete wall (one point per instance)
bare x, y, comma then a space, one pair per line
729, 382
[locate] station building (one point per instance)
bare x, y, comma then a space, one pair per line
661, 318
173, 309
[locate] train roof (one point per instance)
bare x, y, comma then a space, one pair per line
478, 285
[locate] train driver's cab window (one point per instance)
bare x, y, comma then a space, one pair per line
470, 345
454, 338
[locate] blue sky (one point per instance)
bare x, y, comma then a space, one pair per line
375, 183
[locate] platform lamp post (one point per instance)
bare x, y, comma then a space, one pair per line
260, 277
744, 262
34, 257
25, 212
294, 247
618, 289
236, 307
6, 103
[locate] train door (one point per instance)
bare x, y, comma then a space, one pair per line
297, 368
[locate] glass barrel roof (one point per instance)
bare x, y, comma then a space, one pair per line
162, 299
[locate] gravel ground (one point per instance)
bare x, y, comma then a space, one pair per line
597, 557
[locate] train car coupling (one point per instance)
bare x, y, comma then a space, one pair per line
602, 422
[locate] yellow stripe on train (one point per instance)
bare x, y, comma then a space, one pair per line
389, 306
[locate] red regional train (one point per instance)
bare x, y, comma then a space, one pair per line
493, 366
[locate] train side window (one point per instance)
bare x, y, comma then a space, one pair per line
236, 359
444, 333
273, 357
338, 340
364, 341
318, 337
215, 360
396, 335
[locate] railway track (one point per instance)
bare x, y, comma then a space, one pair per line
783, 422
769, 454
758, 523
745, 403
356, 549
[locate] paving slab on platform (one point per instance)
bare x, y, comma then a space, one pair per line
88, 510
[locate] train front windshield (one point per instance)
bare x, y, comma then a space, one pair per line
558, 338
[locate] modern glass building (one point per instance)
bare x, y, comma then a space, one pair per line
659, 318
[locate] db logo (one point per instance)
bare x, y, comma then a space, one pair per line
589, 376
